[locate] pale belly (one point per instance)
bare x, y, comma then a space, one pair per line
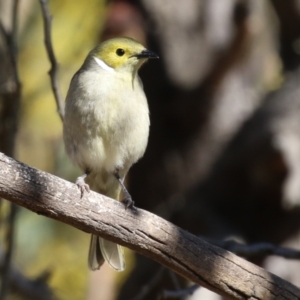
117, 147
104, 133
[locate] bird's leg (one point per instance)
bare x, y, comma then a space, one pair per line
81, 183
127, 200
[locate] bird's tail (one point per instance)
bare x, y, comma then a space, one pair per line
100, 249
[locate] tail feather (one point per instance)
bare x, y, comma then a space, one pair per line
102, 250
113, 254
95, 259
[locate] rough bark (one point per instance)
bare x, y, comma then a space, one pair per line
148, 234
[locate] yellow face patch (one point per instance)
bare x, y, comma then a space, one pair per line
119, 52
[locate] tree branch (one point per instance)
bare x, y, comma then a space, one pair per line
255, 250
139, 230
144, 290
9, 115
34, 289
53, 73
168, 294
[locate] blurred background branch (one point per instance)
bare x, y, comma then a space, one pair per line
33, 289
10, 99
53, 73
255, 250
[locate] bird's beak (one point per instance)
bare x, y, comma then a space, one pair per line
146, 54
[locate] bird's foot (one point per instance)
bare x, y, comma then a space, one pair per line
83, 187
128, 202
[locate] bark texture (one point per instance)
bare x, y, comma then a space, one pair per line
148, 234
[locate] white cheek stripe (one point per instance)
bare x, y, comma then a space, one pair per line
103, 65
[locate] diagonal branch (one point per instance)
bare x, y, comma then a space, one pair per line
53, 73
147, 234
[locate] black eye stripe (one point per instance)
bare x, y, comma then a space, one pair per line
120, 52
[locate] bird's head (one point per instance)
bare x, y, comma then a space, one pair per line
121, 54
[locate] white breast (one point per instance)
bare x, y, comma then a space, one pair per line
106, 122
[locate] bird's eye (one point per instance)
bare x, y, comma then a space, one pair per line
120, 52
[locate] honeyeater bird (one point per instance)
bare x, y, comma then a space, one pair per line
106, 127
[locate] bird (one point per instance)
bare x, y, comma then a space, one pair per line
106, 128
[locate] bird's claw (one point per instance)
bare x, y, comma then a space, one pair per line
83, 187
128, 202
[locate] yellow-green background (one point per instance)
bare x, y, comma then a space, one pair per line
41, 243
